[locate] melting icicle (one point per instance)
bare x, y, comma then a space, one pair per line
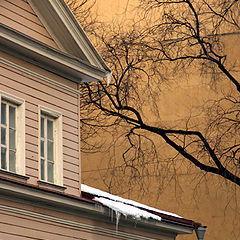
126, 209
118, 215
111, 215
109, 75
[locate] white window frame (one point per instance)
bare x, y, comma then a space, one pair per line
56, 117
19, 103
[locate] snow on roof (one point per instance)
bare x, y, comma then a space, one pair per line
125, 206
126, 210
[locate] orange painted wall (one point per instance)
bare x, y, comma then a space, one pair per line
204, 198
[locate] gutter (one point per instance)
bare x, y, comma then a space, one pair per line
200, 232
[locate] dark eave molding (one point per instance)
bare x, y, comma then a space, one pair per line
53, 60
66, 31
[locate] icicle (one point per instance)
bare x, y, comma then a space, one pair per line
111, 215
118, 215
109, 75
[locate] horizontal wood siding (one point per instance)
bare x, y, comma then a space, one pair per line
19, 15
37, 92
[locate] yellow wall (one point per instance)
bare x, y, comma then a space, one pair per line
204, 198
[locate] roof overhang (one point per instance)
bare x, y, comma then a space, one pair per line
44, 56
66, 31
68, 34
58, 201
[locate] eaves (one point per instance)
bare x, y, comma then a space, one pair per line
46, 57
30, 194
66, 31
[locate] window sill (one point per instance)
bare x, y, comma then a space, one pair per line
13, 176
50, 186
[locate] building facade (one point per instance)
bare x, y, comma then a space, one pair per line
44, 56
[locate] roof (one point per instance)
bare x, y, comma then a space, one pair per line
133, 209
95, 204
77, 59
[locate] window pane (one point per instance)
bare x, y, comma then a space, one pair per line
42, 127
50, 172
3, 136
12, 113
12, 161
42, 170
12, 142
3, 158
42, 148
50, 150
50, 129
3, 113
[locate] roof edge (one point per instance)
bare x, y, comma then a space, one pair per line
25, 192
51, 59
67, 30
165, 218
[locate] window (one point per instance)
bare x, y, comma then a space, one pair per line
47, 149
8, 136
12, 140
50, 146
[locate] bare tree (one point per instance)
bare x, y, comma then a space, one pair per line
163, 44
84, 13
188, 35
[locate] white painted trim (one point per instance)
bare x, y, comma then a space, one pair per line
79, 37
35, 195
13, 99
79, 143
59, 152
46, 57
21, 159
58, 143
50, 112
67, 25
20, 130
37, 75
71, 223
